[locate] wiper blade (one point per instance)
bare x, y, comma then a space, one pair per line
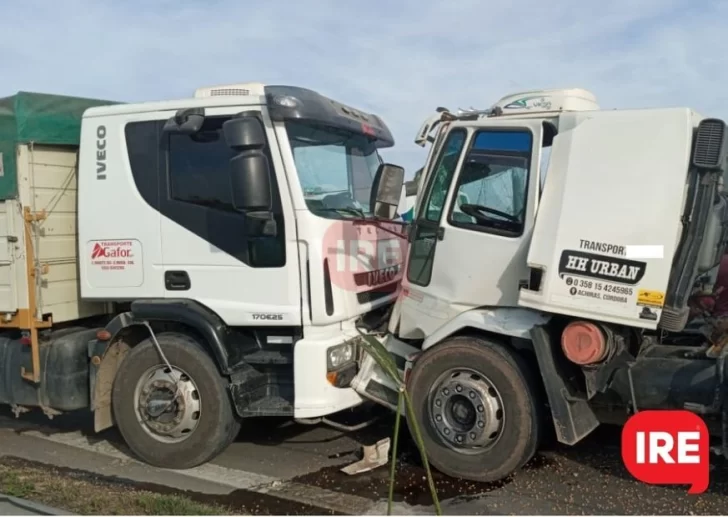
347, 210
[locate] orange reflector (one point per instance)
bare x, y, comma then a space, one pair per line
25, 340
331, 377
584, 343
103, 335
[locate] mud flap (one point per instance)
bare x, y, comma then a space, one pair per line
572, 416
373, 383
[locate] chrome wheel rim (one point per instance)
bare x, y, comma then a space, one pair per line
166, 413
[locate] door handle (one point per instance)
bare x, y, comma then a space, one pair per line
440, 233
177, 280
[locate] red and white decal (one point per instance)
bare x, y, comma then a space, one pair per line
112, 255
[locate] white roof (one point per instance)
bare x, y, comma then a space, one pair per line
543, 101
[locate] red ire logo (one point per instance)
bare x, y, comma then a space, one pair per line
667, 448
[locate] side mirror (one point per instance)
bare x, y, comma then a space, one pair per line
249, 168
244, 133
186, 121
250, 182
386, 190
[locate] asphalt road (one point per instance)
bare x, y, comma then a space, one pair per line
586, 479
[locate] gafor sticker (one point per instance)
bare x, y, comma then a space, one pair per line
648, 298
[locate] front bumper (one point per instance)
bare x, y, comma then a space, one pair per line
316, 394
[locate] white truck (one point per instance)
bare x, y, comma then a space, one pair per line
561, 303
179, 266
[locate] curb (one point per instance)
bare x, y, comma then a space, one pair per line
16, 506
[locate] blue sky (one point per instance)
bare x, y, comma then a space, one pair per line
398, 59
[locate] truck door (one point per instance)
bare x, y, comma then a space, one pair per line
472, 231
215, 254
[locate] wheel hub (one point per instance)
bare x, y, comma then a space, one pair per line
466, 410
167, 410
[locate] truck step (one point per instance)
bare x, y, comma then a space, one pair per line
264, 357
273, 405
263, 393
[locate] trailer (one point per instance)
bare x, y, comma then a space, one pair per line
39, 282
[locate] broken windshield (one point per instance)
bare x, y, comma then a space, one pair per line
335, 168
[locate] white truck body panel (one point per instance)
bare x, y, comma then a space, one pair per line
592, 265
232, 289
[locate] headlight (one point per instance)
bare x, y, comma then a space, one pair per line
339, 355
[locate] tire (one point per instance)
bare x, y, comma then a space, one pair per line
216, 424
501, 453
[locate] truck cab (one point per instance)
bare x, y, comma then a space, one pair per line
561, 302
229, 242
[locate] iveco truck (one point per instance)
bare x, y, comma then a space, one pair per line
181, 266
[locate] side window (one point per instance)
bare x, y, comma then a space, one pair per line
195, 193
440, 182
142, 146
422, 248
362, 174
492, 188
199, 167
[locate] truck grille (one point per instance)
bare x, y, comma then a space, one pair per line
376, 294
710, 146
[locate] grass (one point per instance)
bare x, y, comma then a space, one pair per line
85, 494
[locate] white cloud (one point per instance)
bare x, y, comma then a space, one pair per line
398, 59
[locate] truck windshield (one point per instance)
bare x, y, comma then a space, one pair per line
335, 168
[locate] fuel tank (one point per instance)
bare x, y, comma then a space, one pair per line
64, 360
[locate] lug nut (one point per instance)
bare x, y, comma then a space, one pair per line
472, 394
438, 418
481, 424
458, 388
460, 438
472, 436
438, 403
446, 392
480, 409
447, 431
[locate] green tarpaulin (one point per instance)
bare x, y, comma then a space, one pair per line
39, 118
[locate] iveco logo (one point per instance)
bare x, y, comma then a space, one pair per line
382, 276
101, 153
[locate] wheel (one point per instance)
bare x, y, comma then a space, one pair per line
476, 409
165, 428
